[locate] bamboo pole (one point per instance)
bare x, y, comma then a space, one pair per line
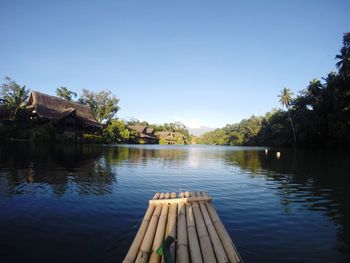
215, 240
135, 246
182, 243
179, 200
171, 226
146, 245
195, 251
227, 243
204, 240
159, 236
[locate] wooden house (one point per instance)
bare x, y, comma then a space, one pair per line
145, 134
67, 116
168, 137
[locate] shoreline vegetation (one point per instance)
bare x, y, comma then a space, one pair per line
318, 115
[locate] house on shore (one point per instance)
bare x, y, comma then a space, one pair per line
145, 134
168, 137
68, 117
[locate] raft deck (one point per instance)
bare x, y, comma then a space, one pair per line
192, 221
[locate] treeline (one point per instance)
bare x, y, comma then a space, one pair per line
117, 131
16, 121
172, 126
318, 115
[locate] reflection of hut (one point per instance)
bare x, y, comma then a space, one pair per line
168, 137
67, 116
145, 134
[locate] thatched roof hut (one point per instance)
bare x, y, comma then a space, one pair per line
53, 108
146, 134
170, 137
138, 128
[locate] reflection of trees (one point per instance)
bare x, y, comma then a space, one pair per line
58, 168
318, 179
247, 160
137, 154
62, 168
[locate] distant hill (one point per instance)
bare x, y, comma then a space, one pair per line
201, 130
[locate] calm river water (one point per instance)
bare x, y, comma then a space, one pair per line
83, 203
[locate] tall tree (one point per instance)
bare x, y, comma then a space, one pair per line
65, 93
14, 96
343, 63
103, 104
285, 100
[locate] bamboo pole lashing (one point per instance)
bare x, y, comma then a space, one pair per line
135, 246
182, 242
203, 236
144, 252
230, 249
179, 200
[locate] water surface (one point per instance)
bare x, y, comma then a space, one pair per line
84, 203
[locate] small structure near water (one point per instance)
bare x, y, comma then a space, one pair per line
170, 138
67, 116
184, 229
145, 134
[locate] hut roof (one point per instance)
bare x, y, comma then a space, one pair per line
163, 134
138, 128
149, 130
51, 107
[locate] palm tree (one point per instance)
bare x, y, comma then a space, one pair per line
14, 96
344, 61
285, 100
65, 93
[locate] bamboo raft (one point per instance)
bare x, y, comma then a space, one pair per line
192, 221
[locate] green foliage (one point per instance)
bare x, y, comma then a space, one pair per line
320, 114
285, 97
243, 133
103, 104
13, 96
65, 93
163, 141
285, 100
117, 131
92, 138
343, 58
178, 129
44, 133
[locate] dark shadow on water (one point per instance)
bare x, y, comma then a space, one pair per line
57, 167
317, 178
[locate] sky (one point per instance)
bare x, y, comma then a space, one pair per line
204, 63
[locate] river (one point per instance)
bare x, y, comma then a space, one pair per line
84, 203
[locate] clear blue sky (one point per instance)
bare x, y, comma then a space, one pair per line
203, 62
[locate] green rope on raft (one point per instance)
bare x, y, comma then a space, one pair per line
163, 250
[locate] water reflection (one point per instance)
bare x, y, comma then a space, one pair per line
300, 184
317, 179
54, 169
